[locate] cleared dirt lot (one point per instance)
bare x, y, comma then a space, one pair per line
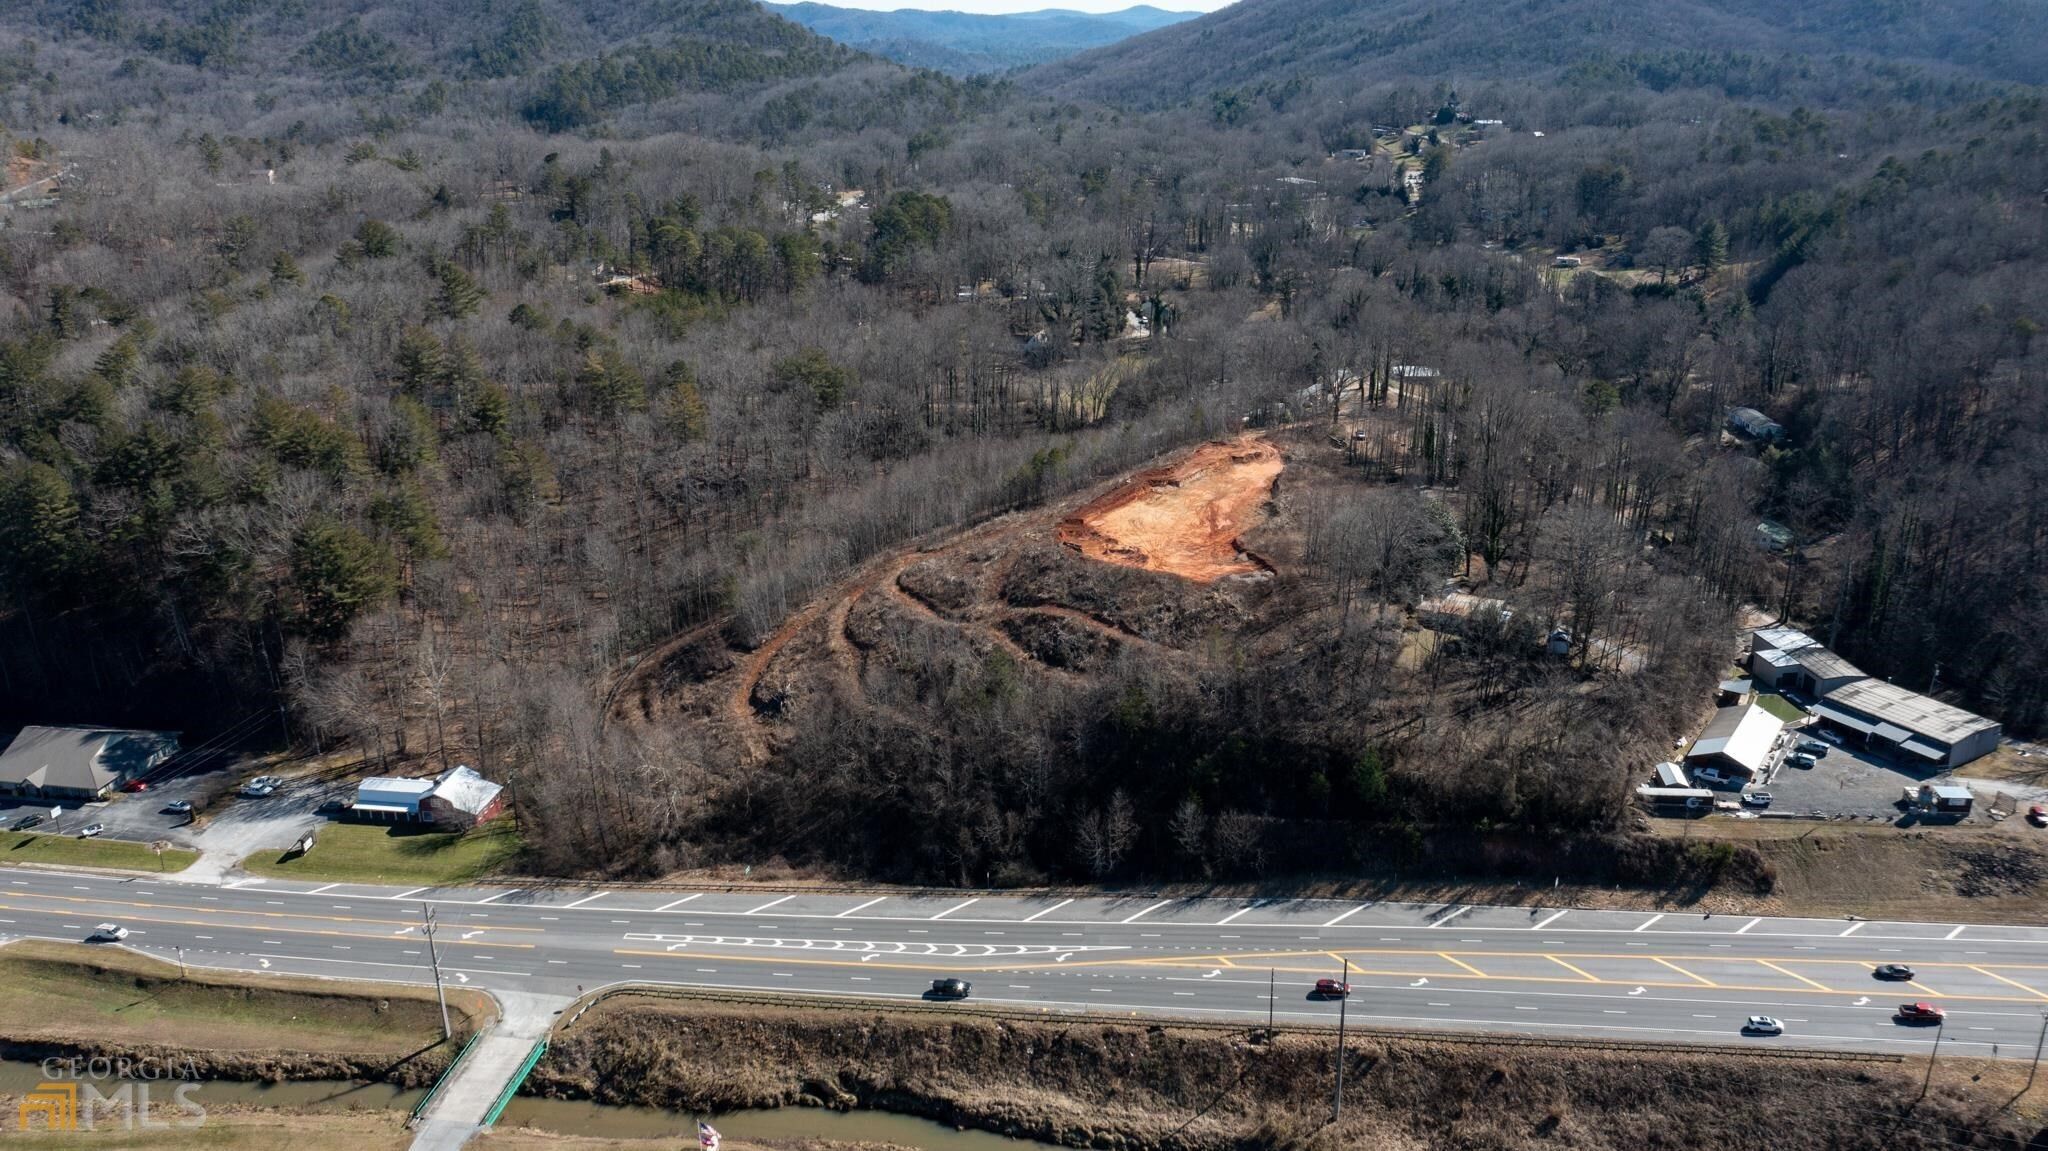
1185, 519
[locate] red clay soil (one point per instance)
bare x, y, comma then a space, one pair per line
1184, 518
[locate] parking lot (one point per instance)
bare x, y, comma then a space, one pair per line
1845, 783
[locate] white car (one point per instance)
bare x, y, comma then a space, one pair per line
90, 830
108, 933
261, 786
1829, 735
1763, 1025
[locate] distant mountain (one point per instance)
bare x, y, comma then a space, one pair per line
965, 43
1272, 43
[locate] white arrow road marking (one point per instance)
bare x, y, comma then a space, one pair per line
461, 978
1639, 991
1418, 983
263, 963
471, 934
403, 931
1213, 974
1862, 1000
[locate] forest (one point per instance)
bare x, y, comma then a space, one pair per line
400, 379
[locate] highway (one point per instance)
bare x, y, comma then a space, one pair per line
1556, 972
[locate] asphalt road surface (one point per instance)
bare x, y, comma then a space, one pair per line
1681, 977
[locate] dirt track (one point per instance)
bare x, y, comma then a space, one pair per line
1183, 519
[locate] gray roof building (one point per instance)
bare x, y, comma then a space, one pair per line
1895, 718
79, 762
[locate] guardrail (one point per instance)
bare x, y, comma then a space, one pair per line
955, 1010
434, 1092
512, 1086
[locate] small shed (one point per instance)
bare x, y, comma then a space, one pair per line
1736, 691
1672, 775
1947, 798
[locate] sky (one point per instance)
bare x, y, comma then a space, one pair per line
996, 7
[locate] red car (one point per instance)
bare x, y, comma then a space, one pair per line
2038, 814
135, 785
1332, 989
1920, 1013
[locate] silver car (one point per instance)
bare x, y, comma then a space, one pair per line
1763, 1025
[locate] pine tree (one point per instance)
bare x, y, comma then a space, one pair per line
459, 296
421, 361
285, 270
1712, 246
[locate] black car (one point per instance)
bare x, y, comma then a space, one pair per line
951, 988
1898, 971
27, 821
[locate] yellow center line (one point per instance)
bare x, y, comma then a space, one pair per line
1924, 989
2003, 979
1795, 975
1684, 972
74, 899
1634, 957
1589, 977
1474, 970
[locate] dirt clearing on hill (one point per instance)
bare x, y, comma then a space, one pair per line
1184, 519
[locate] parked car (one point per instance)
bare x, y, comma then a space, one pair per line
27, 821
951, 988
1803, 760
135, 785
107, 933
1332, 989
179, 807
1757, 798
261, 786
2038, 815
91, 830
1811, 747
1708, 775
1762, 1025
1830, 736
1920, 1013
1898, 971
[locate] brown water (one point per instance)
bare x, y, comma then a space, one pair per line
567, 1116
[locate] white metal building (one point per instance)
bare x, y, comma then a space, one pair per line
1738, 741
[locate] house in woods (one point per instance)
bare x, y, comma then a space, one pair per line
1756, 425
79, 763
462, 799
1871, 713
1773, 537
1738, 742
458, 799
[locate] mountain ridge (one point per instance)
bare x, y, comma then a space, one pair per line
967, 43
1269, 42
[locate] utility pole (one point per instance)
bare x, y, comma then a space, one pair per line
1929, 1080
2036, 1068
1343, 1002
434, 957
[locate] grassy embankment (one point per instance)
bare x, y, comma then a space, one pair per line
369, 853
1087, 1082
79, 999
69, 850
